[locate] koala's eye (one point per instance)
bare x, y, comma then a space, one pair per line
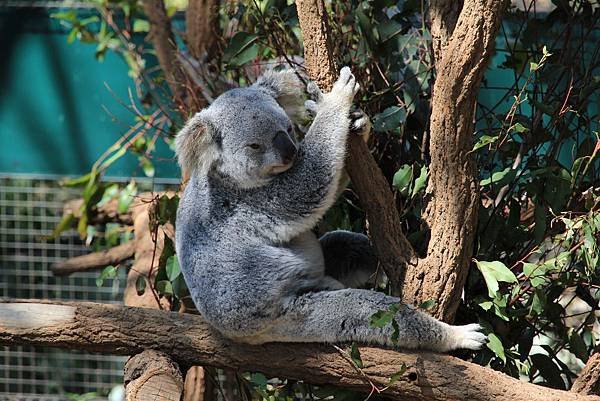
290, 129
254, 146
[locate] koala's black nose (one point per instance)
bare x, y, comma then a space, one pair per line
286, 146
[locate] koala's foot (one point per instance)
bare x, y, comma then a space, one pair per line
467, 337
360, 124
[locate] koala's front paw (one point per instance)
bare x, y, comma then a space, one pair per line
344, 89
360, 124
468, 337
339, 98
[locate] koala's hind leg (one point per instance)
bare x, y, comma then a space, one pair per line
349, 257
344, 315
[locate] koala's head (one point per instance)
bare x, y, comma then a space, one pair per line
246, 134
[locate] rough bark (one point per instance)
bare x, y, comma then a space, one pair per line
187, 339
393, 249
95, 260
163, 41
202, 27
588, 381
443, 15
453, 189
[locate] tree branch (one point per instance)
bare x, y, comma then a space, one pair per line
163, 41
453, 186
188, 340
393, 249
202, 27
95, 260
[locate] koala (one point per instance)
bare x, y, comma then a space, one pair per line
254, 268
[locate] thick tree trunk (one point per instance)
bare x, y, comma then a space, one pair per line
451, 214
393, 249
187, 339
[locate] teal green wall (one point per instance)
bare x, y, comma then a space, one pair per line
57, 115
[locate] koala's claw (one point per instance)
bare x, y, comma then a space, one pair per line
360, 124
469, 336
314, 92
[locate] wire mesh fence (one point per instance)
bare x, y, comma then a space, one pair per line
30, 208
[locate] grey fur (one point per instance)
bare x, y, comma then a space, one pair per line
255, 270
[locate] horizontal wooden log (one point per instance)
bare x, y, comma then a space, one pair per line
96, 260
189, 340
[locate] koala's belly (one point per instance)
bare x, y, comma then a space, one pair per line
307, 247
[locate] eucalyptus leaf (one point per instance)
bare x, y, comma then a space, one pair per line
493, 272
402, 179
496, 346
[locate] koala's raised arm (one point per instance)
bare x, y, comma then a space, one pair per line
302, 195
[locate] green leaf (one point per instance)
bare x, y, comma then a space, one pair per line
420, 181
355, 355
548, 369
494, 272
484, 140
402, 179
533, 66
495, 345
381, 318
141, 25
500, 177
391, 118
396, 376
140, 285
172, 267
518, 127
427, 304
578, 347
108, 272
164, 287
148, 167
486, 305
258, 379
535, 273
241, 49
65, 223
75, 182
70, 16
126, 197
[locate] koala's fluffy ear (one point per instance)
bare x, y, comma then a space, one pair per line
287, 89
197, 145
